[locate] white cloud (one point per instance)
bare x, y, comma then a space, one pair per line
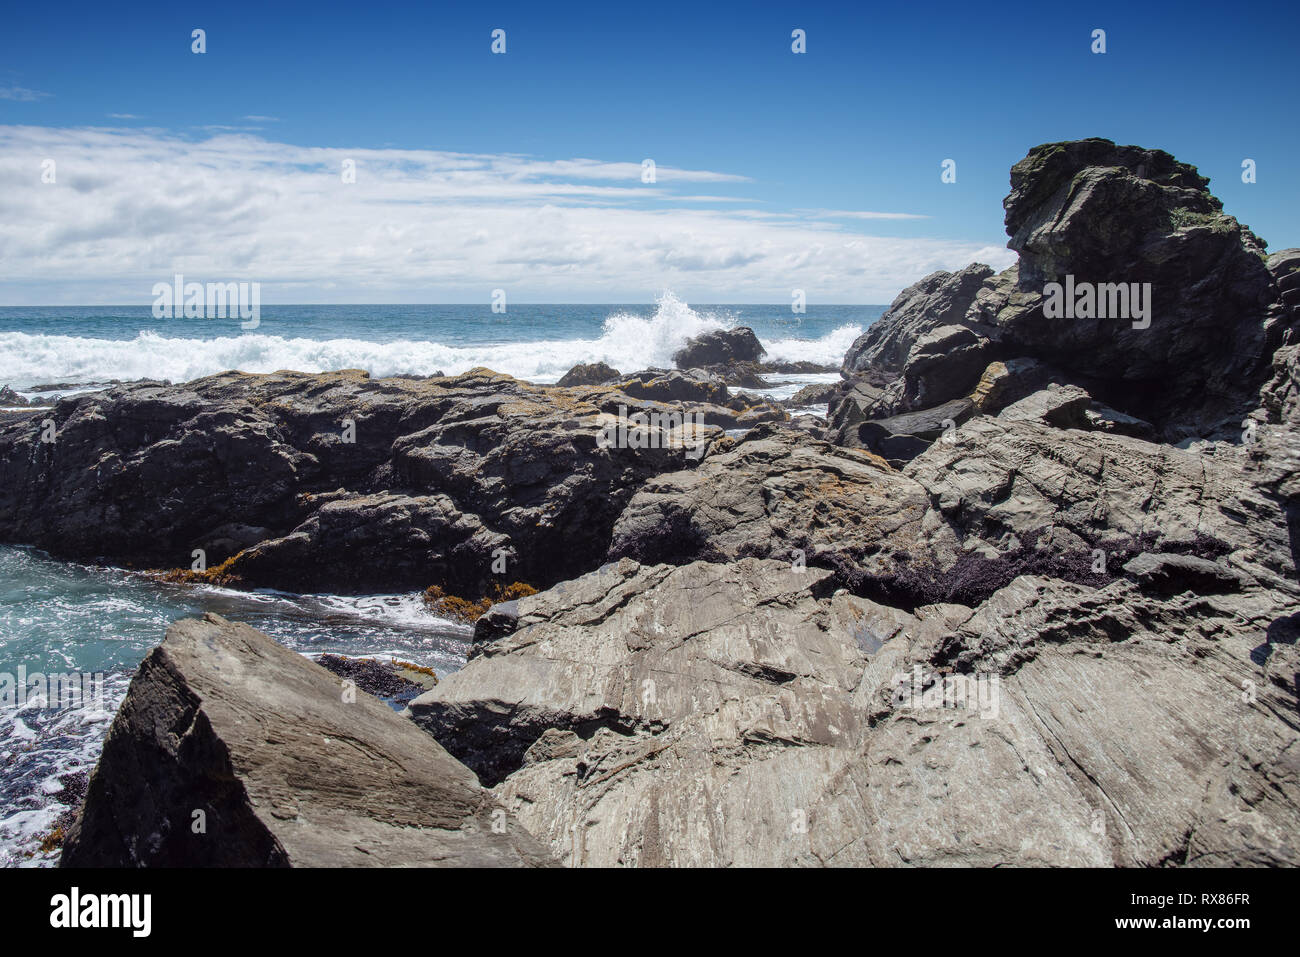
22, 94
859, 214
122, 116
132, 207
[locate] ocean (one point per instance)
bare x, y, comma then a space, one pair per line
60, 617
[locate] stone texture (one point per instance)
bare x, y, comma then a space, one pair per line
287, 771
725, 715
441, 474
770, 494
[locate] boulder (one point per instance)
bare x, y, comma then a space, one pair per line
229, 750
819, 393
900, 438
940, 299
693, 385
1170, 574
589, 373
745, 375
720, 347
781, 495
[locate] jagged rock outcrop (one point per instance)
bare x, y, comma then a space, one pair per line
739, 714
232, 751
342, 482
779, 494
940, 299
1131, 282
11, 399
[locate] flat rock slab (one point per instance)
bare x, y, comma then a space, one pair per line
737, 715
230, 750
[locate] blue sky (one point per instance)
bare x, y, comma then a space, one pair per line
774, 148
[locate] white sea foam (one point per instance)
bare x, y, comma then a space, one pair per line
627, 341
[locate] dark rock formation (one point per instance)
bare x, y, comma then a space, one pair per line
589, 373
10, 398
720, 347
342, 482
1113, 224
232, 751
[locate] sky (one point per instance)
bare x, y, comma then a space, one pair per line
523, 171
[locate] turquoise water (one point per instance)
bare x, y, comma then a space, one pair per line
58, 617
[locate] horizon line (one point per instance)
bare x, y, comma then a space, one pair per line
119, 305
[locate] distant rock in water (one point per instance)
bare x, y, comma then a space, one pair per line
233, 751
12, 399
818, 393
720, 347
589, 373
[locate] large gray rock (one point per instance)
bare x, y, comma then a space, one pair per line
940, 299
1003, 478
723, 715
232, 751
1083, 213
778, 494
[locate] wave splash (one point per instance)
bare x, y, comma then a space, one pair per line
627, 342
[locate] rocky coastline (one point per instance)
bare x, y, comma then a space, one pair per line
1027, 593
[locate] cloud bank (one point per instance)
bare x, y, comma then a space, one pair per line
128, 208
